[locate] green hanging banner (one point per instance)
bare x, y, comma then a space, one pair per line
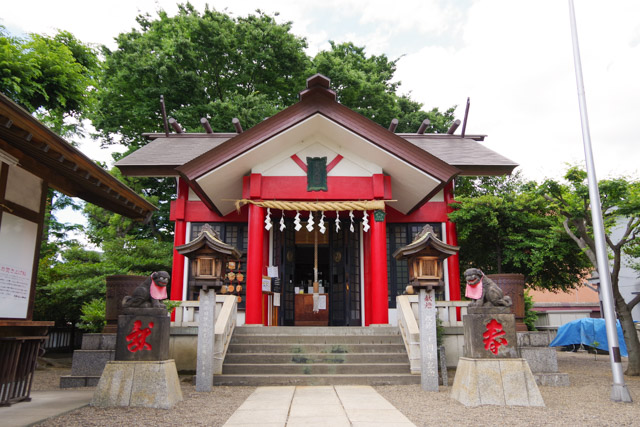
316, 174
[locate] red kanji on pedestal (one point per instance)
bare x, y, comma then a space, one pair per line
428, 301
492, 340
138, 337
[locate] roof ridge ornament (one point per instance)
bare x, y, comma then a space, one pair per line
318, 80
318, 83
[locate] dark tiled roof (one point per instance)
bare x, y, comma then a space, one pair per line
468, 155
164, 154
194, 155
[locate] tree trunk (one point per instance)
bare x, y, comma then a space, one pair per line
629, 332
624, 314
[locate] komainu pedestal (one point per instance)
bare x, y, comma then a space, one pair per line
142, 374
143, 384
502, 382
492, 373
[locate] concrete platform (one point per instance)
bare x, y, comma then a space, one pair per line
43, 405
334, 406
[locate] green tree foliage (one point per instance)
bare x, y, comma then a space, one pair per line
77, 276
93, 317
206, 65
53, 76
620, 201
530, 316
365, 84
504, 226
74, 278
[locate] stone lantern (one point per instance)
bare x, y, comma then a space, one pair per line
424, 257
208, 255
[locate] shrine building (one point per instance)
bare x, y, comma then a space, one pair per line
314, 194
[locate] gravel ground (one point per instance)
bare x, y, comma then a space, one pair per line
586, 402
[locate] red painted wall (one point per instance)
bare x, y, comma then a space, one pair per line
294, 188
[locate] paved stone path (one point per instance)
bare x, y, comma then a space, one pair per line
44, 404
334, 406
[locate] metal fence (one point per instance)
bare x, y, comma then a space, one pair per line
63, 339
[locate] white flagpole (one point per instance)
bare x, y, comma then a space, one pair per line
619, 392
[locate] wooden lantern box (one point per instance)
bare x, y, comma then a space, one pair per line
208, 255
425, 271
425, 256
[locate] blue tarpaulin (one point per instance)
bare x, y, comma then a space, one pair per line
587, 331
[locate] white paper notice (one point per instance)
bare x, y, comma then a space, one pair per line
276, 299
322, 304
17, 244
272, 271
266, 284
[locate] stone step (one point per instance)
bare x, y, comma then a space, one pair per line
316, 339
71, 381
260, 355
316, 348
261, 358
98, 342
316, 368
315, 330
310, 380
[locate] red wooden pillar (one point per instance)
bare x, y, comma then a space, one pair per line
253, 313
265, 262
366, 243
178, 211
453, 262
379, 288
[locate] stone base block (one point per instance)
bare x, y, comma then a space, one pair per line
540, 359
71, 381
143, 384
90, 362
501, 382
534, 339
552, 379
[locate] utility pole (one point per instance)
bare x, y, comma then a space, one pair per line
619, 392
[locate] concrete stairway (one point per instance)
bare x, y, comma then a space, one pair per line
316, 356
89, 362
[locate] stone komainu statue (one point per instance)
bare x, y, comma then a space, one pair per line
150, 293
489, 295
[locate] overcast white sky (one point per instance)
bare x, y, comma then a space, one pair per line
513, 58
